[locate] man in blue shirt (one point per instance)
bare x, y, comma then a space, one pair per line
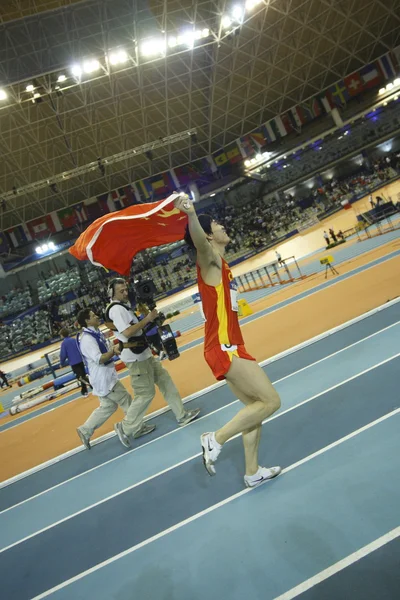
70, 354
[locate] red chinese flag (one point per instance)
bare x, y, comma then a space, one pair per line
113, 240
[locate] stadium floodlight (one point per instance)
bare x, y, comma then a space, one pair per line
90, 66
45, 247
172, 41
39, 250
247, 163
258, 156
187, 38
52, 246
238, 13
396, 82
226, 22
382, 91
118, 58
61, 78
250, 4
3, 95
153, 47
205, 33
389, 87
30, 88
76, 70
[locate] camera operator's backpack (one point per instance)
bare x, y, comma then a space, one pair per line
137, 343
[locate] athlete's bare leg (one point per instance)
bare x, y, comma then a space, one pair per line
252, 386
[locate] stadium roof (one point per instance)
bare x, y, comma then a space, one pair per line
249, 61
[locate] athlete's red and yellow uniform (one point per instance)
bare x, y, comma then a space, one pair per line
223, 338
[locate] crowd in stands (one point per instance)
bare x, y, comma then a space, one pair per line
25, 332
58, 284
15, 301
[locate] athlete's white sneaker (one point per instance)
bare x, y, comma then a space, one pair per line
211, 450
263, 474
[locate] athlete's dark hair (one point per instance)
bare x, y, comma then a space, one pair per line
205, 221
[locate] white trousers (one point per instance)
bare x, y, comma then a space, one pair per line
118, 396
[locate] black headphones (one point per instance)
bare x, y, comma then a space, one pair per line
112, 284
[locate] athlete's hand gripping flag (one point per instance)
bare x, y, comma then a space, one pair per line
113, 240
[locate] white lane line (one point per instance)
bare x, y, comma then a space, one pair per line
142, 482
340, 565
174, 431
207, 510
317, 362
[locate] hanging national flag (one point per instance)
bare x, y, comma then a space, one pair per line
19, 235
287, 122
233, 153
298, 117
113, 201
81, 212
312, 109
136, 193
67, 217
279, 127
396, 58
143, 191
354, 84
219, 158
113, 240
102, 201
386, 66
159, 185
107, 202
56, 221
251, 144
4, 245
123, 196
327, 102
185, 174
269, 132
41, 227
93, 208
339, 93
245, 146
371, 76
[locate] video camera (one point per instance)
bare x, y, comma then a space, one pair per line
145, 292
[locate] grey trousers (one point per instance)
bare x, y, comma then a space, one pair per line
145, 375
118, 396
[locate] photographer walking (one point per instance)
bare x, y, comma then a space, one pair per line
145, 371
98, 354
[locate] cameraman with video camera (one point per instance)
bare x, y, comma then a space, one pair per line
145, 371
